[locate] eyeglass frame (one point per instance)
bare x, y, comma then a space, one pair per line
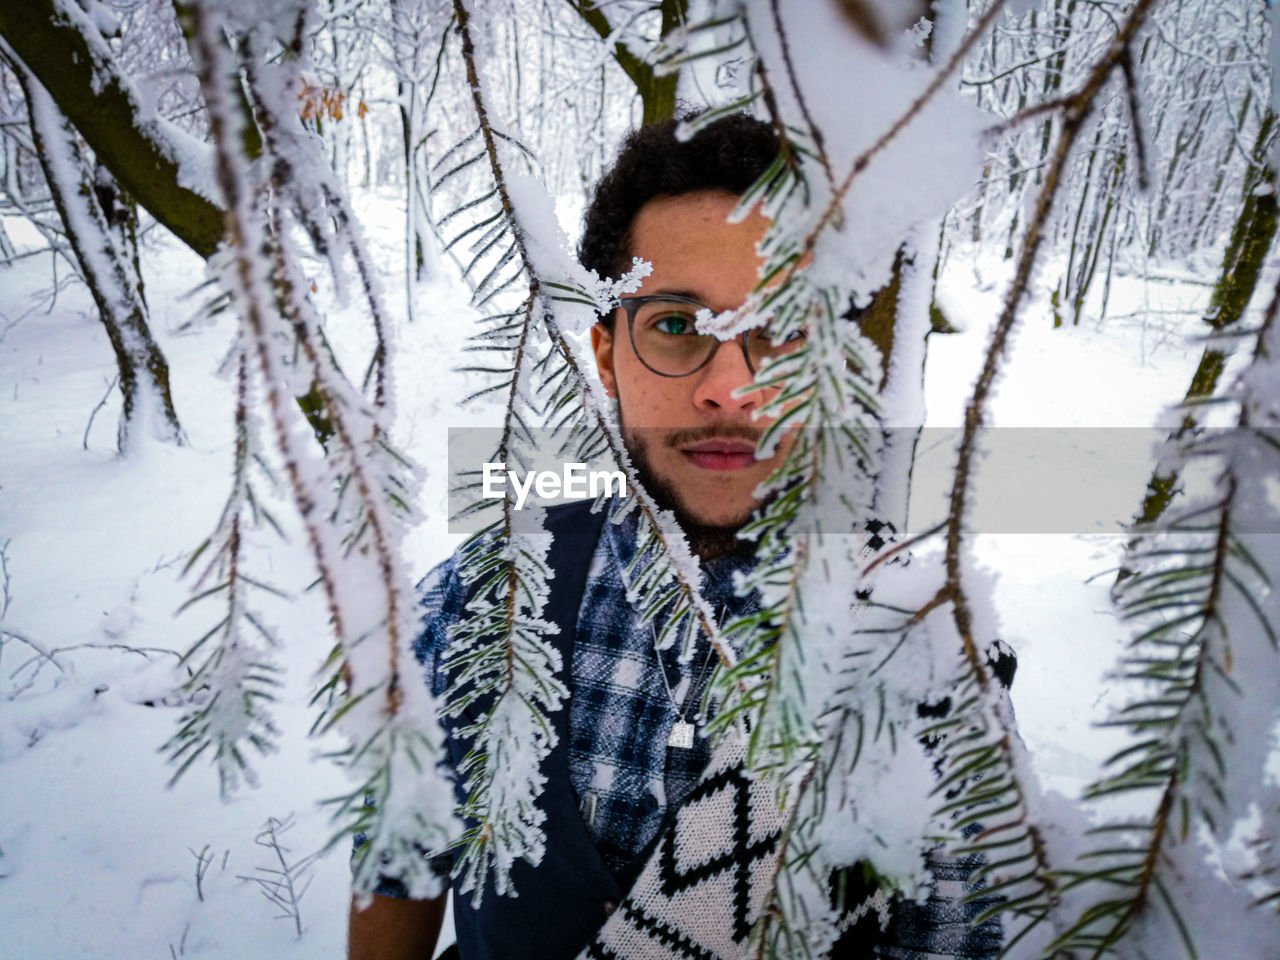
630, 305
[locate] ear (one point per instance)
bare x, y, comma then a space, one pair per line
602, 347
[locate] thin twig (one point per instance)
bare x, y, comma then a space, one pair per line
905, 545
203, 859
281, 886
5, 596
45, 656
7, 261
997, 130
815, 134
342, 214
101, 403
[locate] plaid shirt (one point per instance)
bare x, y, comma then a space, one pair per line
624, 693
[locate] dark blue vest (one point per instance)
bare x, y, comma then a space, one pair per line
561, 903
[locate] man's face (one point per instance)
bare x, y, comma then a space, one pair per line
690, 436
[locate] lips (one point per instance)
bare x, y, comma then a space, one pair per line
721, 454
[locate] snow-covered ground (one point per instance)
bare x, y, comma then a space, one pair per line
98, 859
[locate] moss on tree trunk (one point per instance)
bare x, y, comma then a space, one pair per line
1242, 264
64, 51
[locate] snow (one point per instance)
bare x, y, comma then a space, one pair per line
97, 855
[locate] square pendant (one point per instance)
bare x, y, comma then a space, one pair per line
681, 735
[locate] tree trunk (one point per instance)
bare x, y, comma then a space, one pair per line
96, 223
7, 249
1241, 267
411, 34
60, 45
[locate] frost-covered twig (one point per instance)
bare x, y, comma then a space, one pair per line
984, 766
830, 215
363, 461
499, 651
233, 682
799, 682
84, 443
1205, 650
285, 885
352, 506
45, 655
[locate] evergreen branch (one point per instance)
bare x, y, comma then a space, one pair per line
991, 721
295, 307
1191, 666
271, 302
232, 679
538, 294
348, 229
492, 662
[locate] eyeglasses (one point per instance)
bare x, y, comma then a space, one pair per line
665, 339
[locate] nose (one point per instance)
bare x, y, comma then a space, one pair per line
725, 373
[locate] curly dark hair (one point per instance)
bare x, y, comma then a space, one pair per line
727, 154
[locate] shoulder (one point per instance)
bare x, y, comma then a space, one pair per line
444, 592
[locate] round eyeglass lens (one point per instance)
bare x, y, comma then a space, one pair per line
666, 339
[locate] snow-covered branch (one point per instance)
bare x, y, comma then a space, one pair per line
352, 501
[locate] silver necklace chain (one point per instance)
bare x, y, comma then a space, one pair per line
682, 730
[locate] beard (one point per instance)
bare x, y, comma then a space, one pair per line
706, 541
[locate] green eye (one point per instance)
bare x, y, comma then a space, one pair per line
674, 323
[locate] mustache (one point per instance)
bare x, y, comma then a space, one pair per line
727, 431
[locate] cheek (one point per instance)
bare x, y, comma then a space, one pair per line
647, 400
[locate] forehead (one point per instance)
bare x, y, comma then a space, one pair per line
695, 250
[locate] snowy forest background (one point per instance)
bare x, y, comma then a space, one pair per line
224, 462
